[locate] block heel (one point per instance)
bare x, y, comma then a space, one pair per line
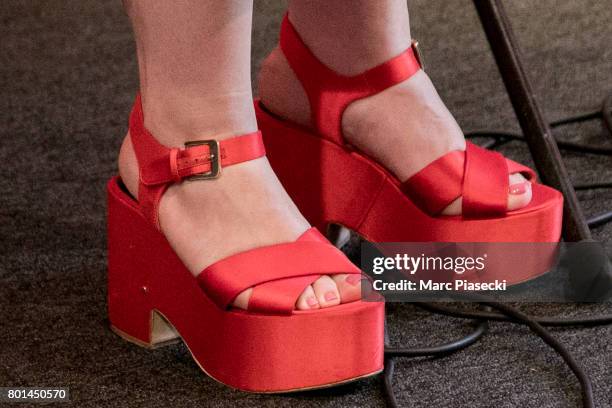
130, 312
271, 347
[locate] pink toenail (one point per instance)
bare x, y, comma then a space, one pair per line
519, 188
329, 296
312, 302
354, 279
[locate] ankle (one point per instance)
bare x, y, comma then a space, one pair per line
281, 92
415, 120
177, 117
369, 34
413, 113
128, 166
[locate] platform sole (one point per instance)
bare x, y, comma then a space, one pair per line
332, 184
246, 351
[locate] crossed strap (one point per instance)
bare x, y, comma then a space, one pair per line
161, 166
278, 274
478, 175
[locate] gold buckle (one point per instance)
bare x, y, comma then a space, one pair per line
215, 160
418, 54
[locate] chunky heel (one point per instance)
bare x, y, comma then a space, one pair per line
130, 311
270, 347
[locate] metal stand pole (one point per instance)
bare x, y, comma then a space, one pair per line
545, 152
537, 132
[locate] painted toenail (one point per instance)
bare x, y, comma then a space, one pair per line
519, 188
331, 295
312, 302
354, 279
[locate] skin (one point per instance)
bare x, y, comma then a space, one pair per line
405, 127
194, 69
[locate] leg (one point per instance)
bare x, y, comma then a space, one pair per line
194, 59
395, 126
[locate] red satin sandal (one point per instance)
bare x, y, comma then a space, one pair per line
331, 182
271, 347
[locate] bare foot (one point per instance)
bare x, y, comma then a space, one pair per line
206, 221
404, 127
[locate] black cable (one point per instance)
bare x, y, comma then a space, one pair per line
592, 186
544, 321
537, 328
600, 219
508, 313
388, 382
606, 113
443, 349
500, 138
577, 118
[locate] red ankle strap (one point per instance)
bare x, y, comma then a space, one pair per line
161, 166
330, 93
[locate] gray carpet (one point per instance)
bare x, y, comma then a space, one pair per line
68, 76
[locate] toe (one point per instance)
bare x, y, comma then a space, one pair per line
349, 286
242, 300
307, 300
326, 291
519, 195
519, 192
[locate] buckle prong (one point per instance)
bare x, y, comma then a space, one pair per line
417, 53
215, 163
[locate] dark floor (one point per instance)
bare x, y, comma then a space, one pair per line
68, 76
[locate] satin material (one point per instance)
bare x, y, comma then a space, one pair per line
305, 257
255, 352
271, 347
176, 164
485, 183
282, 271
329, 93
478, 175
438, 184
340, 186
160, 165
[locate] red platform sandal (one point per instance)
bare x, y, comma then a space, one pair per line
271, 347
331, 182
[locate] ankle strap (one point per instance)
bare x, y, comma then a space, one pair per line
161, 166
329, 93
